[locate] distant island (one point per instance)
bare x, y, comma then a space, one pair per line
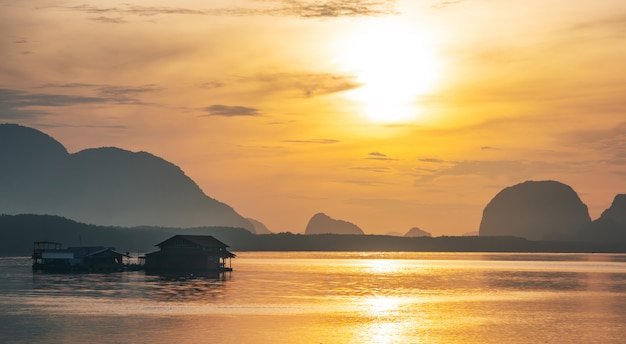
131, 200
105, 186
550, 210
20, 231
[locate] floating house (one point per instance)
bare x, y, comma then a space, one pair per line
184, 253
50, 257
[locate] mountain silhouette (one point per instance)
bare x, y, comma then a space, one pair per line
416, 232
103, 186
535, 210
19, 231
617, 211
611, 226
321, 223
259, 227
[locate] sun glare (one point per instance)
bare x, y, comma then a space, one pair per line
394, 62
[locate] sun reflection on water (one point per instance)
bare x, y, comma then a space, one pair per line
382, 305
382, 266
384, 332
384, 325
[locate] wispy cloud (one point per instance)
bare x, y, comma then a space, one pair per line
110, 93
314, 141
110, 20
609, 143
308, 84
372, 169
378, 156
365, 182
431, 160
511, 170
332, 9
129, 9
443, 4
292, 8
17, 104
125, 94
617, 22
231, 111
211, 84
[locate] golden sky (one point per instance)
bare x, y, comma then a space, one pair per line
387, 114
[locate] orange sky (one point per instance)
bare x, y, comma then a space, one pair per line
388, 114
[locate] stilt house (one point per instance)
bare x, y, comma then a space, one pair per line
49, 256
182, 253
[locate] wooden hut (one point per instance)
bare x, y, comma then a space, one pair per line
182, 253
49, 256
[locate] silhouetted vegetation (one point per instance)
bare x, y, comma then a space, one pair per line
18, 232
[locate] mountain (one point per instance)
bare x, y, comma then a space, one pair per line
535, 210
398, 234
617, 211
18, 233
259, 227
611, 226
321, 223
103, 186
416, 232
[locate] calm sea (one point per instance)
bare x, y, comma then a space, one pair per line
319, 297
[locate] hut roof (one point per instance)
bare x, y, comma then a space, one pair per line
199, 240
85, 251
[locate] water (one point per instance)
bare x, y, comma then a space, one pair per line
328, 298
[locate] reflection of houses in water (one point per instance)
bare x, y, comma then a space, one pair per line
190, 253
49, 256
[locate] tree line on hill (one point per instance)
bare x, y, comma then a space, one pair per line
18, 233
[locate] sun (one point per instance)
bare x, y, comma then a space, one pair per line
394, 63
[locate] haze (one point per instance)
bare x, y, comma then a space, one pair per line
387, 114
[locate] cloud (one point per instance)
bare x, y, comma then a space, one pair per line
110, 93
211, 84
17, 104
125, 94
129, 9
314, 141
378, 156
363, 182
431, 160
608, 143
511, 170
372, 169
309, 84
291, 8
332, 9
443, 4
110, 20
231, 111
617, 22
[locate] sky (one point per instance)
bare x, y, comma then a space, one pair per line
387, 114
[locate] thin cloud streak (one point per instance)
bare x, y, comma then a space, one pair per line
444, 4
230, 111
378, 156
290, 8
110, 93
511, 170
17, 104
314, 141
309, 84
